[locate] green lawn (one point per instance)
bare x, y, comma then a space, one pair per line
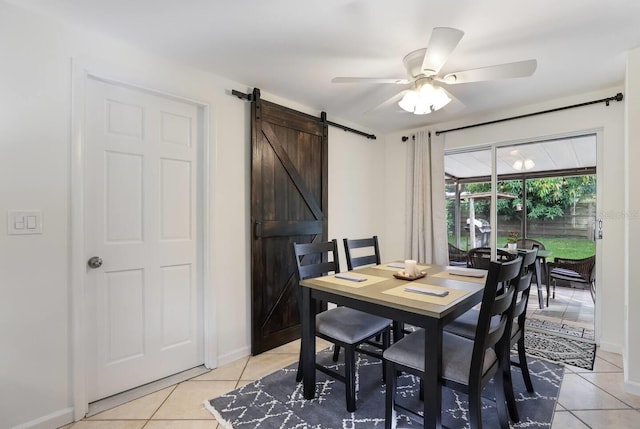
563, 247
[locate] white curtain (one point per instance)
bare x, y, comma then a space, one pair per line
426, 221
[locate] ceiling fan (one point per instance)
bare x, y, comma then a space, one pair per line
423, 66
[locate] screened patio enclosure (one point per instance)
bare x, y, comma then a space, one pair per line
545, 190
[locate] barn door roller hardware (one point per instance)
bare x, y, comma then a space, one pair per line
323, 118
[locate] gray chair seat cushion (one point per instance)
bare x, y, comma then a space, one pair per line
466, 324
456, 355
566, 274
348, 325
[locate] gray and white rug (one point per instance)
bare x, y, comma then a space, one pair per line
560, 348
563, 327
276, 401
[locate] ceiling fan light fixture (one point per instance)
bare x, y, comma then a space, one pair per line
424, 100
523, 164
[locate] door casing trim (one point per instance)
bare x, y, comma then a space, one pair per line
80, 74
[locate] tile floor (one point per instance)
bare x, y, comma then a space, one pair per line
588, 399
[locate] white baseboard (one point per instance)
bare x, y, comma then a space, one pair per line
233, 355
610, 347
53, 420
632, 387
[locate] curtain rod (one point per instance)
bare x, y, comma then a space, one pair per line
249, 97
617, 97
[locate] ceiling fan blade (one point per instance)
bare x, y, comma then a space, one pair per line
501, 71
455, 105
393, 100
442, 42
393, 80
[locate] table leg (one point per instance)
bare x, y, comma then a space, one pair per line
398, 330
539, 283
545, 268
308, 344
433, 368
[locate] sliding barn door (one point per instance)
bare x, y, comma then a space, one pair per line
288, 204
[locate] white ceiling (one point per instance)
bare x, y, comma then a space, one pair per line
551, 155
293, 48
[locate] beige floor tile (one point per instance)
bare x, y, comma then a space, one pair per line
182, 424
266, 363
109, 424
243, 383
599, 365
291, 348
613, 384
576, 393
618, 419
231, 371
142, 408
566, 420
187, 400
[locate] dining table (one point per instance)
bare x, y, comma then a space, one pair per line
444, 293
542, 273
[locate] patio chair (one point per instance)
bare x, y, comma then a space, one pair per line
573, 271
342, 326
467, 364
529, 243
457, 256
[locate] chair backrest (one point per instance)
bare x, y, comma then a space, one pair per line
522, 299
480, 257
529, 243
498, 307
528, 258
372, 258
456, 254
586, 267
312, 258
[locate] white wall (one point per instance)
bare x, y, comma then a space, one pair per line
356, 188
35, 141
610, 120
632, 218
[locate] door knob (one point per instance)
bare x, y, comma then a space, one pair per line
95, 262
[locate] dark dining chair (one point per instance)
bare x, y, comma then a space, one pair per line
355, 248
342, 326
361, 252
467, 323
480, 257
467, 364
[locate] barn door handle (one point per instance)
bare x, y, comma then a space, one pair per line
257, 229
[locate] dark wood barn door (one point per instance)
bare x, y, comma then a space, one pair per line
288, 204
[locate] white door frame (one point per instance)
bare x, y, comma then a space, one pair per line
77, 267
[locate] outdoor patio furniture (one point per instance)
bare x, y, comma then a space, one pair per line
529, 243
573, 271
457, 256
480, 257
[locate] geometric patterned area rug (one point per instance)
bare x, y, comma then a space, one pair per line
561, 328
560, 348
276, 401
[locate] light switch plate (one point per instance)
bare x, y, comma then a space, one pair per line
21, 222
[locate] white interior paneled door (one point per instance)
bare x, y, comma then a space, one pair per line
141, 199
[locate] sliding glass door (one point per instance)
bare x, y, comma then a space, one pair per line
545, 191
